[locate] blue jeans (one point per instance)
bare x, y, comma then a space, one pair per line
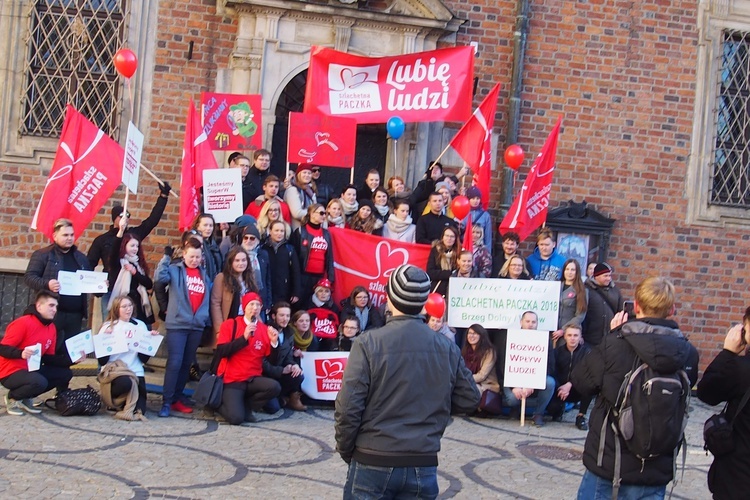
543, 396
364, 482
594, 487
181, 347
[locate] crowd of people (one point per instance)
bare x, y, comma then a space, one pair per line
255, 290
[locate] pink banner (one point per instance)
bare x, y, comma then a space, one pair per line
366, 260
327, 141
232, 121
419, 87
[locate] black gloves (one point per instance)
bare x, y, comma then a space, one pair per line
168, 250
165, 188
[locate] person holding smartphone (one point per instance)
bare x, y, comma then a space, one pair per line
727, 378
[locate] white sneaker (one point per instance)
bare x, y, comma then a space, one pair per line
11, 406
27, 405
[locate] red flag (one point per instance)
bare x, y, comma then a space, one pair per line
468, 242
86, 171
529, 209
196, 157
367, 260
474, 143
327, 141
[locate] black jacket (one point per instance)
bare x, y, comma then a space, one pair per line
252, 186
565, 361
136, 280
660, 344
283, 355
604, 303
430, 227
44, 265
727, 378
298, 239
400, 386
324, 193
101, 248
285, 273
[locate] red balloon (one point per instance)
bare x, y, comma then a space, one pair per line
435, 305
460, 207
126, 62
514, 156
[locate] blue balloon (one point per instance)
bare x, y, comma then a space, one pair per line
395, 127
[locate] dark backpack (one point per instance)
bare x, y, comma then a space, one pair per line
650, 415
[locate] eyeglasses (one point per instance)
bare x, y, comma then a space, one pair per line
315, 170
274, 210
362, 297
126, 306
321, 212
350, 327
249, 237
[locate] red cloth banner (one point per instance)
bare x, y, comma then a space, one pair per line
366, 260
328, 141
196, 157
529, 209
232, 121
474, 143
86, 171
419, 87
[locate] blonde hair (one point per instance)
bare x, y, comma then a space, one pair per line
655, 297
544, 233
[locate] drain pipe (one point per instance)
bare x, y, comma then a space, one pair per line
520, 35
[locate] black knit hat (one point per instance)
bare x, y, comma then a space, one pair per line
408, 288
602, 268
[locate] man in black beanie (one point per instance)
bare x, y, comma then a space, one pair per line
400, 385
605, 300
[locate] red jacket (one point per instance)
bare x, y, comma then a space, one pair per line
22, 333
241, 359
257, 204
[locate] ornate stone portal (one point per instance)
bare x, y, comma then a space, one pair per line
273, 44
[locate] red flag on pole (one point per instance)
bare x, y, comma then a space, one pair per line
468, 243
529, 209
86, 171
196, 157
474, 142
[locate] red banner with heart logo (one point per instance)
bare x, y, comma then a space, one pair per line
364, 260
419, 87
328, 141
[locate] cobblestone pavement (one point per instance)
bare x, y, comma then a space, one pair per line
288, 455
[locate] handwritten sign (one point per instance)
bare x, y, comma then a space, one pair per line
131, 163
324, 372
222, 193
526, 354
499, 303
146, 343
107, 344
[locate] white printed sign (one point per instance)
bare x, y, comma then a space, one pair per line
323, 372
146, 343
222, 193
499, 303
34, 362
106, 344
79, 282
131, 163
526, 354
84, 341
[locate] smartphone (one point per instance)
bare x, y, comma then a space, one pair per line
629, 308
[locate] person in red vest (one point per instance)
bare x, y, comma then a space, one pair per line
243, 343
34, 330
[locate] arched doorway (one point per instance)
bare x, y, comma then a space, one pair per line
371, 140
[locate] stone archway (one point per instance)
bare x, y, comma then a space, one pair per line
272, 50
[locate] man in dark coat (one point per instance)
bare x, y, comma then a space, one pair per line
430, 226
655, 340
605, 300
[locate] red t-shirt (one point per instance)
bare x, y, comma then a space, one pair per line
316, 259
196, 288
248, 361
22, 333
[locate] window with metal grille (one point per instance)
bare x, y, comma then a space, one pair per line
730, 176
71, 47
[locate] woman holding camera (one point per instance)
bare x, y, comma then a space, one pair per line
727, 378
